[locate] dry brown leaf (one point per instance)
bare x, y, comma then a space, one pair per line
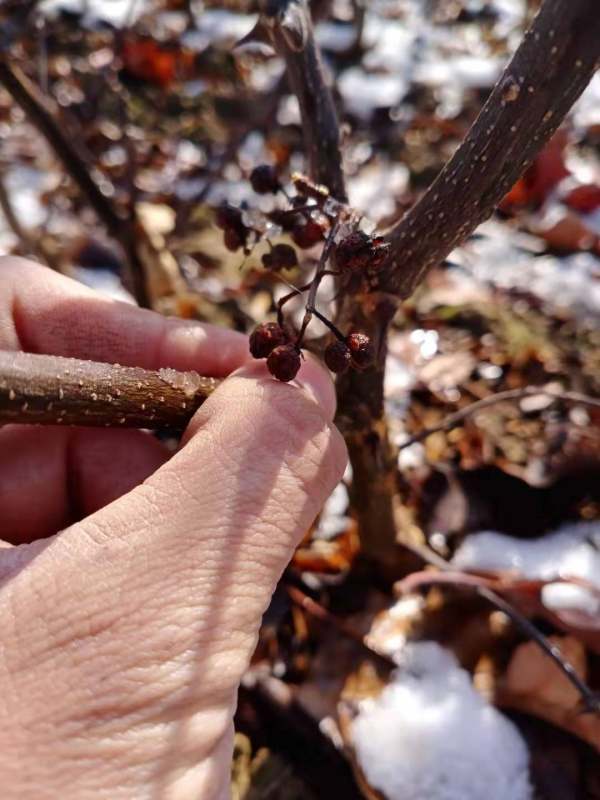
533, 683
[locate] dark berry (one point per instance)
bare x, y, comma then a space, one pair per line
264, 180
361, 349
337, 357
234, 238
227, 216
285, 219
282, 256
307, 234
265, 338
358, 251
284, 362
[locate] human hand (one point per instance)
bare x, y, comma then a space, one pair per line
125, 635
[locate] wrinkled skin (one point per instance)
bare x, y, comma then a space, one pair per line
132, 584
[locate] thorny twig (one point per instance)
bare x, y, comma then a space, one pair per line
453, 420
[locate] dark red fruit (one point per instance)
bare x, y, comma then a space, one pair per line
307, 234
234, 238
265, 338
358, 252
227, 216
282, 256
235, 233
361, 349
337, 356
284, 362
264, 180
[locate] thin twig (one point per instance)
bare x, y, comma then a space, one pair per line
42, 114
290, 29
26, 239
53, 390
316, 281
316, 610
455, 419
591, 700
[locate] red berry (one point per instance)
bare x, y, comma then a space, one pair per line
264, 180
307, 234
361, 349
282, 256
284, 362
233, 239
227, 216
265, 338
337, 356
358, 251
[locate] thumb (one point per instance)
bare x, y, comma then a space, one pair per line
148, 610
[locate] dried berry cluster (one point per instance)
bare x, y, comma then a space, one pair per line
354, 256
269, 340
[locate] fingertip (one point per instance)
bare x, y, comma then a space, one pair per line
312, 379
317, 383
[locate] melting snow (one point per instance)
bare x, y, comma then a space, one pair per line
572, 551
431, 735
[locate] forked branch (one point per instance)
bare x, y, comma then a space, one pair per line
552, 66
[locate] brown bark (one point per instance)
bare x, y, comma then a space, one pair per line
54, 390
551, 67
548, 72
360, 395
291, 32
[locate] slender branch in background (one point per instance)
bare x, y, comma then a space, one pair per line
290, 30
13, 221
550, 69
42, 114
319, 612
455, 419
590, 699
26, 239
51, 389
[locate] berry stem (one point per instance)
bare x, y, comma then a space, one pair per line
286, 297
328, 323
319, 275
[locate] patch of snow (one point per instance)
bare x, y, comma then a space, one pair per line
570, 597
116, 12
572, 551
586, 111
567, 282
363, 92
430, 735
374, 188
217, 25
335, 37
333, 519
104, 281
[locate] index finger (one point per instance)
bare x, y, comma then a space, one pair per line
44, 312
